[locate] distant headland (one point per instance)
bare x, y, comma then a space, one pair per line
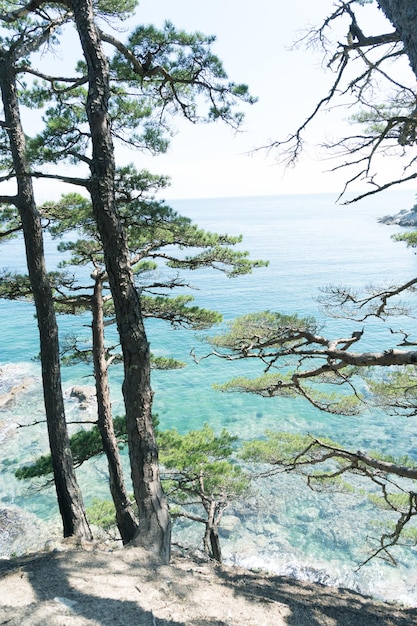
406, 217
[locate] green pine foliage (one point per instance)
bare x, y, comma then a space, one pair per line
199, 466
166, 363
85, 444
280, 384
191, 73
281, 448
41, 467
178, 312
158, 237
264, 329
395, 390
102, 514
410, 237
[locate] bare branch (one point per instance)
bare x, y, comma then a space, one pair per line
389, 540
74, 81
71, 180
294, 152
360, 457
8, 200
23, 11
376, 53
379, 188
342, 302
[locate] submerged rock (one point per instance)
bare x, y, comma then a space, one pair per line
10, 397
22, 532
85, 395
229, 524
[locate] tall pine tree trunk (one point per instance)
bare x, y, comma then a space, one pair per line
403, 16
154, 530
126, 519
68, 493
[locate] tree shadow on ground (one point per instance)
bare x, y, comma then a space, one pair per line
62, 592
316, 605
82, 587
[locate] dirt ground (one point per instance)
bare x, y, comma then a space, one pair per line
80, 586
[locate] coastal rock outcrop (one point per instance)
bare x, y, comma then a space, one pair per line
9, 398
403, 218
85, 395
22, 532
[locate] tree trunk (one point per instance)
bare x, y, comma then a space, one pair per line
403, 16
154, 530
68, 493
211, 536
215, 545
126, 520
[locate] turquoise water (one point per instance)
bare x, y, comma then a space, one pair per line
310, 242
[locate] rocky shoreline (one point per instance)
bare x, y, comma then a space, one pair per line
406, 218
86, 585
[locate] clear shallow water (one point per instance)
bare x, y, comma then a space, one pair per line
310, 242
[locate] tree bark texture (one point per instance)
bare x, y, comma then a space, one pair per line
216, 552
154, 521
68, 493
126, 519
211, 535
403, 16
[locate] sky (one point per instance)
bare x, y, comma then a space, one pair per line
255, 41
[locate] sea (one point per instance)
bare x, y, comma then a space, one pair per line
282, 526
